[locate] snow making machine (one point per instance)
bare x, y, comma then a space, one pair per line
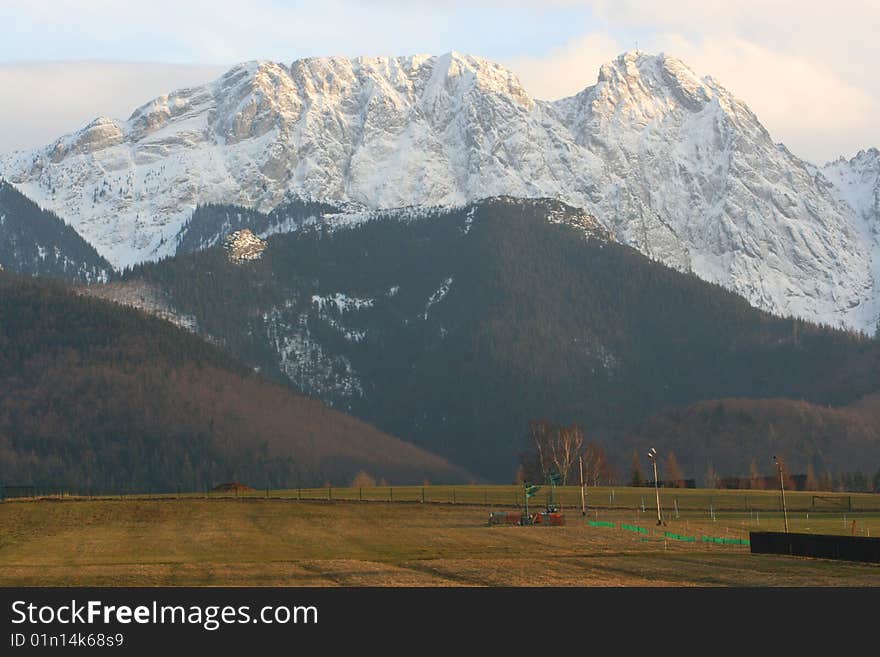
550, 516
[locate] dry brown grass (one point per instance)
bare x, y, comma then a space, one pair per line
254, 542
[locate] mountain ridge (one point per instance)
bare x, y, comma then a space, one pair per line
669, 162
455, 327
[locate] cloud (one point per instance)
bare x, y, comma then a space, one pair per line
42, 101
808, 70
566, 70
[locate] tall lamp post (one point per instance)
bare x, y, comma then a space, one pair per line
652, 454
583, 495
782, 488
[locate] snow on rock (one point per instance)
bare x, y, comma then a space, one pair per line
143, 296
437, 296
243, 245
667, 162
342, 302
305, 362
856, 183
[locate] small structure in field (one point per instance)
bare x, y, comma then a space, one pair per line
551, 515
233, 487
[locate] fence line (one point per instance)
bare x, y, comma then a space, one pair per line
568, 497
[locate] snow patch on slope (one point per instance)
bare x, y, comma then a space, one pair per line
437, 296
304, 361
341, 302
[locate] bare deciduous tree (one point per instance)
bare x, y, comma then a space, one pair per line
541, 431
673, 471
596, 469
363, 479
558, 447
712, 478
637, 478
755, 477
812, 482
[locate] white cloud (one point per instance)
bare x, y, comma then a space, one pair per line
42, 101
566, 70
809, 70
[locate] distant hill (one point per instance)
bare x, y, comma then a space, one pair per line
94, 396
733, 433
452, 328
36, 242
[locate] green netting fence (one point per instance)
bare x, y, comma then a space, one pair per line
670, 535
725, 541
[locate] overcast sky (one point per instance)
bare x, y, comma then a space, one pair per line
809, 70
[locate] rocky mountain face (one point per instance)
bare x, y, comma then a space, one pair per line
670, 163
856, 183
38, 243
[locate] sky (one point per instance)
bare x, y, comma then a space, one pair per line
809, 70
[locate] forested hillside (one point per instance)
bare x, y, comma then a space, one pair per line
94, 396
37, 242
454, 331
210, 223
738, 437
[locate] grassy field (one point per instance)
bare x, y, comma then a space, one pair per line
190, 540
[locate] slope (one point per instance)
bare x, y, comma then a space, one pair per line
100, 397
451, 328
740, 432
38, 243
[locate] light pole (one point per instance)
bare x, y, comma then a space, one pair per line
652, 454
583, 496
782, 488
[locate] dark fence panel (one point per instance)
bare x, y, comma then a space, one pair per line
17, 491
824, 546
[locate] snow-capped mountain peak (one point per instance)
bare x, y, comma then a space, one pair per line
635, 77
670, 162
857, 182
